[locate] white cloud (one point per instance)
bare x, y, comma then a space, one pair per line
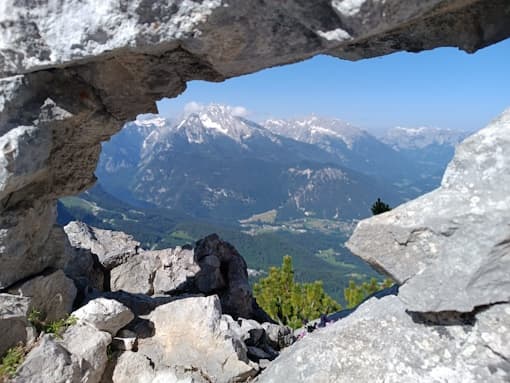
196, 107
239, 111
193, 107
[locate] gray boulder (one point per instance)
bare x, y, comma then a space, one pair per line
212, 267
252, 331
88, 345
223, 271
111, 247
188, 332
139, 304
14, 325
381, 342
52, 295
450, 246
84, 268
278, 337
177, 271
105, 315
133, 367
126, 340
49, 362
136, 275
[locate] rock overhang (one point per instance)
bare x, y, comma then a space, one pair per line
237, 36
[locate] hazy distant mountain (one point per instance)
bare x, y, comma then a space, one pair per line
122, 154
431, 149
422, 137
216, 165
353, 147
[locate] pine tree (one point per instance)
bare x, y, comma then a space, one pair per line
291, 303
355, 294
379, 207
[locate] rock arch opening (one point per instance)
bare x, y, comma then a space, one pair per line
74, 73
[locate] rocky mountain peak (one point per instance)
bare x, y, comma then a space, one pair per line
314, 129
215, 120
421, 137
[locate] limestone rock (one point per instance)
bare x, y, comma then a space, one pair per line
126, 340
177, 272
89, 345
380, 341
67, 95
223, 270
139, 304
187, 332
450, 246
29, 242
112, 247
105, 315
285, 31
52, 295
133, 367
135, 275
252, 331
86, 271
278, 336
212, 267
14, 325
49, 362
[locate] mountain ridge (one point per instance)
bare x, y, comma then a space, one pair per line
213, 163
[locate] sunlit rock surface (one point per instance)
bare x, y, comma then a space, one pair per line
450, 248
381, 342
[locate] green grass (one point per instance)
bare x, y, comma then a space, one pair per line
331, 257
265, 217
56, 327
12, 359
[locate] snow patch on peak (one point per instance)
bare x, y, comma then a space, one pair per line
151, 121
348, 7
202, 120
210, 124
314, 130
421, 137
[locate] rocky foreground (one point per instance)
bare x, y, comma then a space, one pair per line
183, 314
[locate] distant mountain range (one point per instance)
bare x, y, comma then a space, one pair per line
272, 188
213, 164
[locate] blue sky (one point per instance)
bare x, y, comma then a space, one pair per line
444, 88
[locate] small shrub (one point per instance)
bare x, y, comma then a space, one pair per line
379, 207
10, 362
355, 294
56, 327
289, 302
